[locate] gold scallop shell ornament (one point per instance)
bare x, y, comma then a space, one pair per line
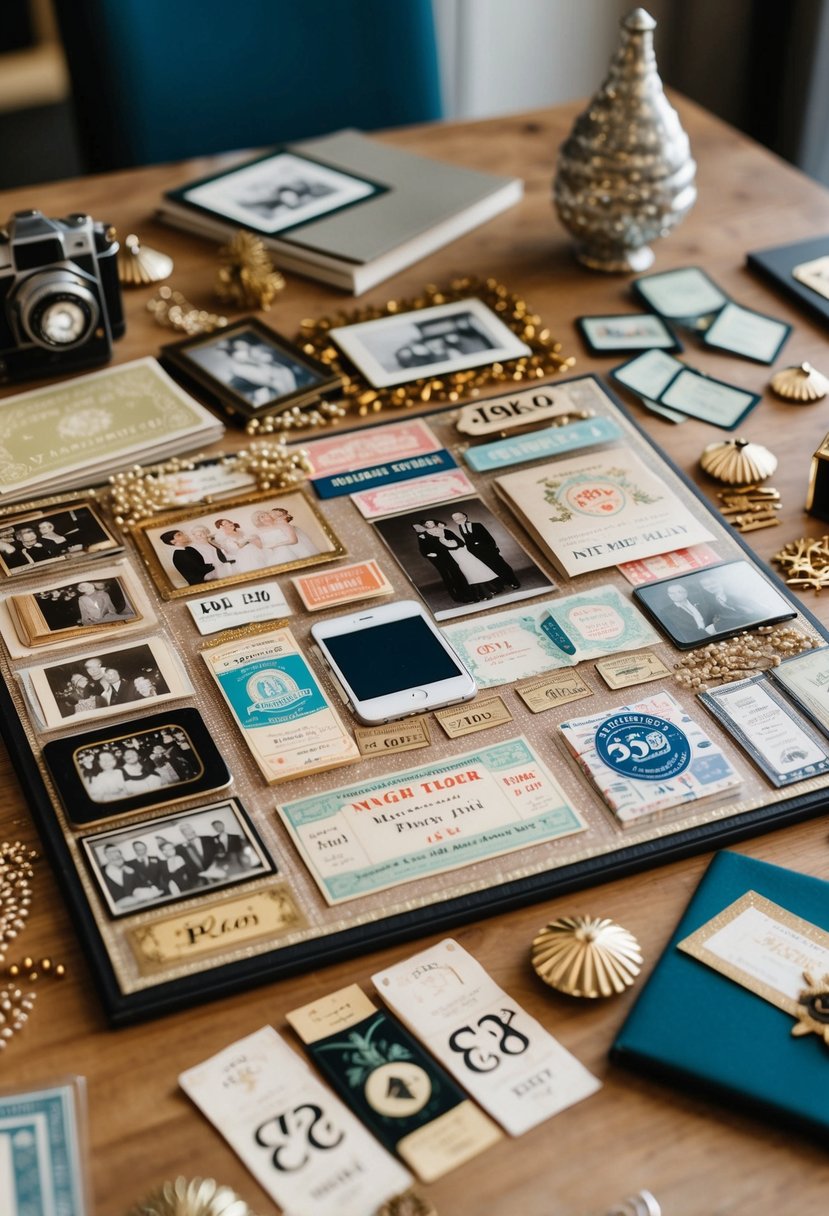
802, 384
737, 462
192, 1197
586, 956
139, 265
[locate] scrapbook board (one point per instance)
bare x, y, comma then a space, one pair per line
215, 813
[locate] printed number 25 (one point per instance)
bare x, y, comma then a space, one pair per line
481, 1044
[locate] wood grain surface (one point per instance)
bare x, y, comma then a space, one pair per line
697, 1158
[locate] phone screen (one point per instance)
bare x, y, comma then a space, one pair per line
391, 657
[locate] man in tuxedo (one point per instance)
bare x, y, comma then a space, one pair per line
687, 621
118, 876
116, 690
195, 849
482, 544
224, 848
146, 868
441, 558
95, 670
190, 564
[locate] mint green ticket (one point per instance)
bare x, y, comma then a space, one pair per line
406, 825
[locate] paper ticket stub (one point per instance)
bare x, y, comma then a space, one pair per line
342, 585
303, 1146
504, 1058
393, 1086
287, 720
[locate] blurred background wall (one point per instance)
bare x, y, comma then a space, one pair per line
760, 66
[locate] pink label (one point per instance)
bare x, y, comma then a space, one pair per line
666, 565
419, 492
344, 453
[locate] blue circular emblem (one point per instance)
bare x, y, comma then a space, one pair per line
643, 746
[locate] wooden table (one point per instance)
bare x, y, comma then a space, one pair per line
697, 1157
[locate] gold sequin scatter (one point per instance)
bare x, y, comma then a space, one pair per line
750, 507
813, 1018
805, 563
30, 970
743, 656
172, 310
586, 956
15, 891
361, 398
15, 1007
319, 413
191, 1197
247, 277
407, 1204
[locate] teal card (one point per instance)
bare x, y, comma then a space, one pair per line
269, 692
40, 1161
552, 441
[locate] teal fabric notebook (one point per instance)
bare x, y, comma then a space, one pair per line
697, 1027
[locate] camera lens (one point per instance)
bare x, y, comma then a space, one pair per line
56, 309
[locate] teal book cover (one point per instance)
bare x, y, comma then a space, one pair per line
696, 1027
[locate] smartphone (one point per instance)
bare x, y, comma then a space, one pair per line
392, 661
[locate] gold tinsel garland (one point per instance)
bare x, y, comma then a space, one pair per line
449, 388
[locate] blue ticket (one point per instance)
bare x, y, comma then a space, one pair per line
349, 481
41, 1170
538, 444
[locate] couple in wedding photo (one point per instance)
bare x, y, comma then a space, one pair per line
467, 557
201, 553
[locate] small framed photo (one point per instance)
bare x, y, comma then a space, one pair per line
428, 342
69, 610
239, 540
67, 533
713, 603
172, 857
249, 370
461, 558
105, 682
276, 192
621, 333
146, 762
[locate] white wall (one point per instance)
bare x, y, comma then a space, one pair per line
497, 56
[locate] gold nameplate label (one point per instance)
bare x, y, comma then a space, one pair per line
482, 714
554, 688
394, 737
530, 406
625, 670
214, 928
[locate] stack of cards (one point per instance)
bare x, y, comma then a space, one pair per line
669, 387
82, 607
646, 757
687, 297
591, 512
80, 431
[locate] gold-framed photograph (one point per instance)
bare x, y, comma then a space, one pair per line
241, 539
248, 370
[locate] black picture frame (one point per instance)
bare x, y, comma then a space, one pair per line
190, 362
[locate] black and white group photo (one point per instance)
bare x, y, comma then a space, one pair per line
45, 537
140, 763
175, 856
88, 602
125, 676
245, 363
278, 192
461, 558
713, 603
429, 341
239, 540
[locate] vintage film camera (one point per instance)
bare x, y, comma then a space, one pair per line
60, 303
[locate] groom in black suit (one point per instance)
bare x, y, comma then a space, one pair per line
188, 561
482, 544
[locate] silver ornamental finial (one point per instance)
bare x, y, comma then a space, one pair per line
625, 174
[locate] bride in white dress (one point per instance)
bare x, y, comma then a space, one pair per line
246, 552
471, 567
282, 539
